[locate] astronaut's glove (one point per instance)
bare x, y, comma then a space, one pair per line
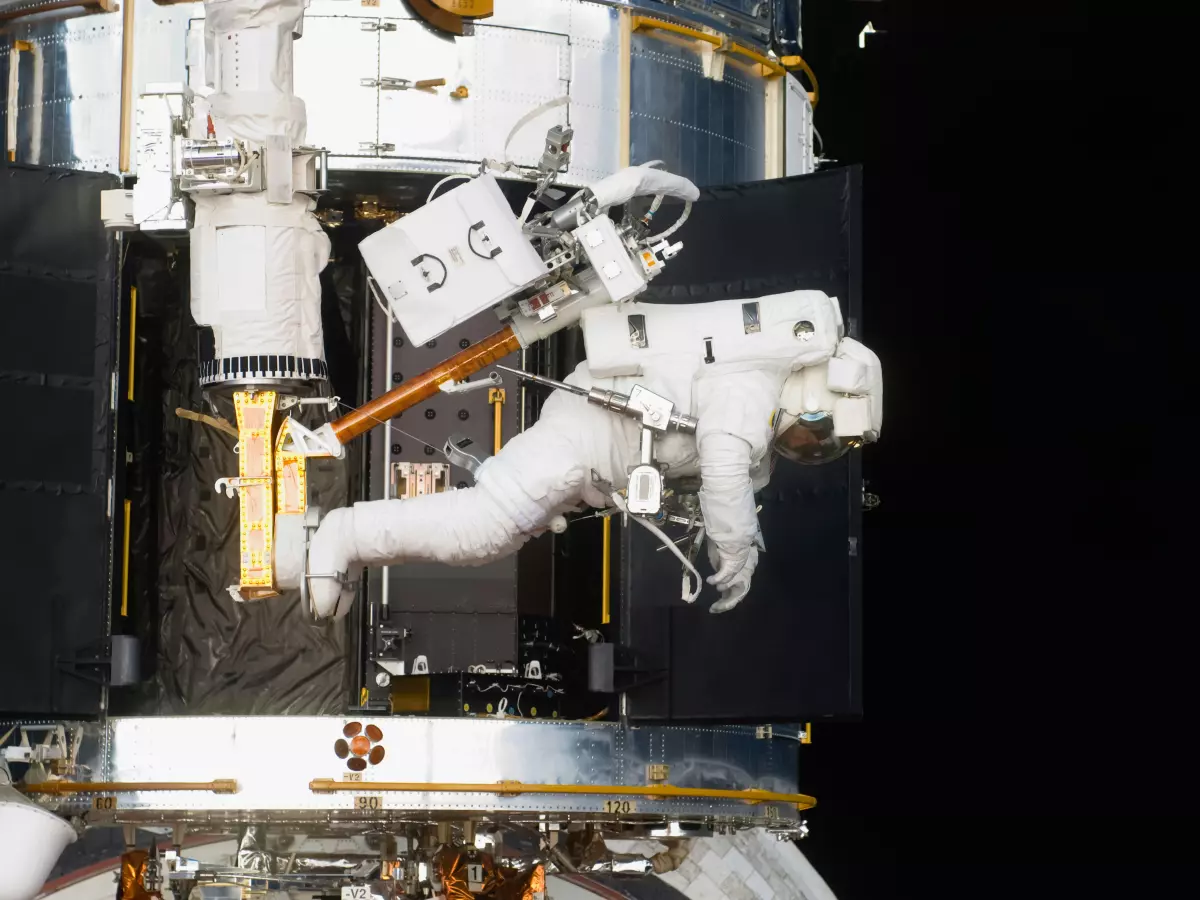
727, 501
728, 563
641, 181
737, 586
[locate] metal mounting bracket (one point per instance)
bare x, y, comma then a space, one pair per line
306, 442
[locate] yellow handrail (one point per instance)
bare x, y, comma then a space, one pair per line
774, 67
220, 786
645, 23
606, 576
797, 62
513, 788
125, 570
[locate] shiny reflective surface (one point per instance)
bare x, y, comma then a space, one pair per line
69, 94
331, 60
530, 52
444, 750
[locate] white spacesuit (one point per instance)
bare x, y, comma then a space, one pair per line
774, 372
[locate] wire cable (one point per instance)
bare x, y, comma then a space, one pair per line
662, 235
445, 180
666, 541
390, 427
373, 287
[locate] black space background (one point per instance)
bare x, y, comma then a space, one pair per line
1029, 247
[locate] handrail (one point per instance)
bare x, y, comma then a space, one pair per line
774, 67
220, 786
514, 788
645, 23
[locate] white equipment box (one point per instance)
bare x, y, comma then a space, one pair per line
451, 259
608, 256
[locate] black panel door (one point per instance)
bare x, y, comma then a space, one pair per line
791, 650
57, 356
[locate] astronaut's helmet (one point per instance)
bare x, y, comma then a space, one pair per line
815, 425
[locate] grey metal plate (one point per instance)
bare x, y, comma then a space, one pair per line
798, 140
459, 615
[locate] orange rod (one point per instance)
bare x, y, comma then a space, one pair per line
766, 62
132, 337
797, 62
127, 29
422, 387
514, 788
498, 437
644, 23
606, 576
220, 786
125, 571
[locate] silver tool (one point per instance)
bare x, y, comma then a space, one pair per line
656, 413
465, 453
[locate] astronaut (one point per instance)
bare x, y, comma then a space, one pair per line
764, 377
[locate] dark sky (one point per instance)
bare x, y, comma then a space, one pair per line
1028, 270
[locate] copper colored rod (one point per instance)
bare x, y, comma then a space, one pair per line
127, 30
417, 390
220, 786
514, 788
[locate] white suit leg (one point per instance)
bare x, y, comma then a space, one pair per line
535, 476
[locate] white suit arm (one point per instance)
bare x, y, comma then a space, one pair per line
733, 435
642, 181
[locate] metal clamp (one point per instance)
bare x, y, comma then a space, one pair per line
230, 486
330, 403
386, 83
461, 451
306, 442
462, 387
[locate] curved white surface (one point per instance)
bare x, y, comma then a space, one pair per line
33, 840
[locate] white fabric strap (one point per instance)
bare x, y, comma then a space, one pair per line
529, 117
619, 503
